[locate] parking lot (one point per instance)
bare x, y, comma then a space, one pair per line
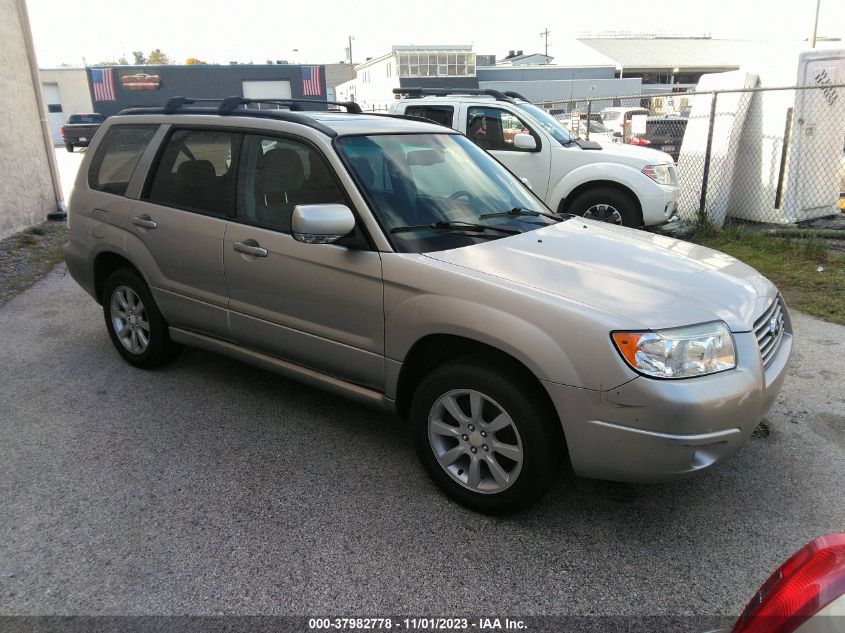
211, 487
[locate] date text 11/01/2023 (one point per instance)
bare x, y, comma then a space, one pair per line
418, 624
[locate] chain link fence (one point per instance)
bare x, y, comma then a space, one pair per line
764, 155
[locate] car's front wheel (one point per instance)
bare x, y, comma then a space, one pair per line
484, 437
136, 327
606, 204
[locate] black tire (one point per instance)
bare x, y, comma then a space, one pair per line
160, 348
622, 202
539, 433
69, 147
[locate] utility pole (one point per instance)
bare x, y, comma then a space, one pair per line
349, 56
545, 34
815, 25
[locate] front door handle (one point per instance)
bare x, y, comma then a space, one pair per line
144, 221
250, 247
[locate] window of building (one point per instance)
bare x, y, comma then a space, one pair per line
436, 64
194, 172
276, 174
117, 155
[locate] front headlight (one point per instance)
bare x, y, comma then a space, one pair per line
680, 352
661, 174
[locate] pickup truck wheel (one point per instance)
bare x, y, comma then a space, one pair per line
483, 437
606, 204
69, 147
136, 328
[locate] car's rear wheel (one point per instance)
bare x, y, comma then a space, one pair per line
136, 327
69, 147
484, 437
606, 204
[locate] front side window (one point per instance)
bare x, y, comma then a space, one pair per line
276, 174
545, 120
117, 155
441, 114
195, 172
417, 182
494, 129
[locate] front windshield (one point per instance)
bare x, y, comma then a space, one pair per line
547, 122
417, 180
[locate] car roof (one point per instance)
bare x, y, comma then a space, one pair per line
452, 98
349, 124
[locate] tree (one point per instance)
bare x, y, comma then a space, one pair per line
122, 60
158, 58
140, 58
193, 61
106, 62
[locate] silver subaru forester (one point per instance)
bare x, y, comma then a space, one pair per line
395, 262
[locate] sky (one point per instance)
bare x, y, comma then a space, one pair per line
309, 31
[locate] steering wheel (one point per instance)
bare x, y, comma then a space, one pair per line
462, 194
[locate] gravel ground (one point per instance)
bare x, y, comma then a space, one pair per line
211, 487
26, 257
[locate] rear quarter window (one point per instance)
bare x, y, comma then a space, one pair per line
117, 156
442, 114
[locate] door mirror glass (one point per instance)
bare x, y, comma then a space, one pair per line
524, 141
321, 223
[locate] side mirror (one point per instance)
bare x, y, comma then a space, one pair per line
524, 141
321, 223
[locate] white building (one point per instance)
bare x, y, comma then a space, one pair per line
29, 179
65, 92
445, 66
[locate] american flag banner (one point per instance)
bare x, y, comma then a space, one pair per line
103, 81
311, 84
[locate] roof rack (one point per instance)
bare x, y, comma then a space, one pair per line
231, 106
417, 92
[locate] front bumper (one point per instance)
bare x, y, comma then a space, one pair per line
659, 204
654, 430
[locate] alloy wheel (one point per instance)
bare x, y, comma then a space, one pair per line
129, 320
604, 213
475, 441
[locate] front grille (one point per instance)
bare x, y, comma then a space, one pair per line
769, 328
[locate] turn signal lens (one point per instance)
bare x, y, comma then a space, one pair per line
680, 352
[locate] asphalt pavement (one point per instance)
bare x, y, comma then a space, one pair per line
211, 487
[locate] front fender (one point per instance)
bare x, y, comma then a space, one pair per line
624, 175
424, 315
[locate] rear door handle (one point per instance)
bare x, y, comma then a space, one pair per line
250, 247
144, 221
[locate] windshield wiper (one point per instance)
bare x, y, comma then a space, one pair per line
444, 225
519, 212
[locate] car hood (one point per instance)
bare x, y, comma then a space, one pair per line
632, 154
648, 281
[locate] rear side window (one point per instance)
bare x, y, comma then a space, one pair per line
441, 114
195, 172
117, 155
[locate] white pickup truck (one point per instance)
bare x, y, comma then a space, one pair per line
612, 182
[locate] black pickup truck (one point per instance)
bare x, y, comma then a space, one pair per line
80, 129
